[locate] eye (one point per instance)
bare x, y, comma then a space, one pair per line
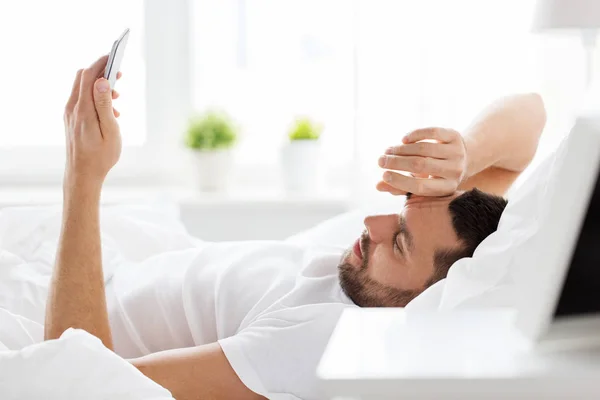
395, 244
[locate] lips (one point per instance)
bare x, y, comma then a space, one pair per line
357, 250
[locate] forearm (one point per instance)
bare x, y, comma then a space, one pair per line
505, 135
489, 155
76, 297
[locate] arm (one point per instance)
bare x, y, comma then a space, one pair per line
491, 154
76, 297
502, 141
201, 372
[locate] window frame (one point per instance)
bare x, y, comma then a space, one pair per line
166, 37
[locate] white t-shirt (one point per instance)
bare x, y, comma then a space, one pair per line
272, 307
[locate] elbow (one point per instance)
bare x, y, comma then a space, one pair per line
535, 123
538, 114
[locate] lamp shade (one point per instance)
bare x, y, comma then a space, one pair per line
566, 14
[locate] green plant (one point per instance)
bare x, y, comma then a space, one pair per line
211, 131
305, 129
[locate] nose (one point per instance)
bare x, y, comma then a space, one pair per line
381, 226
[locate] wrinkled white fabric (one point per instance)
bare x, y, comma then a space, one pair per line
77, 365
29, 237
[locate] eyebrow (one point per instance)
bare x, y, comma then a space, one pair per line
403, 230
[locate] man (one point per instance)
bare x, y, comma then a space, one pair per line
250, 320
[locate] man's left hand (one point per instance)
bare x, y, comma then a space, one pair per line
437, 168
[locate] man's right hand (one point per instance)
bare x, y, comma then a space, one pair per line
93, 137
437, 168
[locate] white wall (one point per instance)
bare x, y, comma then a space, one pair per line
254, 221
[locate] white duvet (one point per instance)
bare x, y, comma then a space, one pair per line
77, 365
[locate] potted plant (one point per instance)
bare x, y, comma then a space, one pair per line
300, 156
211, 136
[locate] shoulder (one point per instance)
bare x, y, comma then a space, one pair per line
280, 351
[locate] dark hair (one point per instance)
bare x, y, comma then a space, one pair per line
475, 215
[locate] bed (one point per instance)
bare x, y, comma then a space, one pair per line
78, 366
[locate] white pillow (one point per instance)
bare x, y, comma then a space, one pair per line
489, 278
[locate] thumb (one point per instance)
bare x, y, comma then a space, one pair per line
103, 102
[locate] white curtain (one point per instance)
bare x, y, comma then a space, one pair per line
439, 62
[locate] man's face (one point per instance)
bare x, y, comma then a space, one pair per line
394, 258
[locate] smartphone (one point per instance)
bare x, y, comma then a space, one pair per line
115, 57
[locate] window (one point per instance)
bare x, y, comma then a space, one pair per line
369, 71
267, 62
43, 45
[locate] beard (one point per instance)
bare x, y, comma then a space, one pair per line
365, 291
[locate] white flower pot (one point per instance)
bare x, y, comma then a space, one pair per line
212, 169
300, 166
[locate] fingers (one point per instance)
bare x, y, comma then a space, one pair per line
88, 78
423, 149
97, 68
115, 95
76, 89
74, 92
384, 187
420, 166
440, 134
103, 103
434, 158
418, 186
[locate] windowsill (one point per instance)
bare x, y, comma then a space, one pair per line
48, 195
236, 215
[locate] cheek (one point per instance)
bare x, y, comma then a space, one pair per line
391, 270
422, 269
384, 267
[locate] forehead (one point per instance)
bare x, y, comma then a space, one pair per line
430, 204
429, 221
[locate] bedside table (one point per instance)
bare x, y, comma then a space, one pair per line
389, 354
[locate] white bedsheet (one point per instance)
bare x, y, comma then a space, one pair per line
77, 365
